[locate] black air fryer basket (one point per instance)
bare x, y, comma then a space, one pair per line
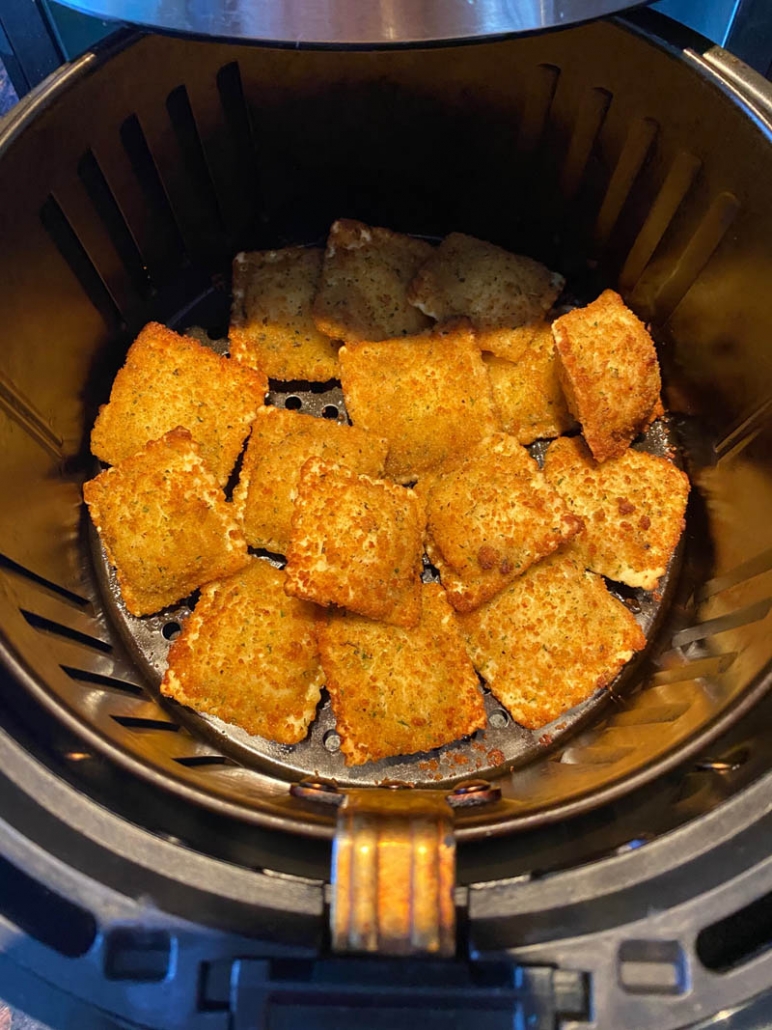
181, 868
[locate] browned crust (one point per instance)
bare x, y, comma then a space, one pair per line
396, 691
490, 517
280, 443
357, 543
609, 373
550, 640
170, 380
633, 509
527, 391
429, 396
271, 324
164, 523
248, 655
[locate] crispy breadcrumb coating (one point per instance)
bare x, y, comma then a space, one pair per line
168, 381
248, 654
396, 691
633, 509
164, 523
357, 543
551, 639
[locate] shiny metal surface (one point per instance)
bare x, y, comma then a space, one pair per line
350, 22
394, 865
394, 870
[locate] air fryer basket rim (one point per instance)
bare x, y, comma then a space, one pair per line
722, 74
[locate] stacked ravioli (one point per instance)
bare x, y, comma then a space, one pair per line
450, 368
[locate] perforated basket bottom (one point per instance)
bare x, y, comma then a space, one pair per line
503, 743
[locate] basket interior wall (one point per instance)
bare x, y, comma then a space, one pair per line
611, 159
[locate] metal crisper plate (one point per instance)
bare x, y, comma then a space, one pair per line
502, 743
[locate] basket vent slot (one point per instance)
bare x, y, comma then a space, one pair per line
590, 118
731, 620
744, 433
23, 412
66, 240
696, 254
648, 714
144, 168
537, 108
199, 761
236, 112
56, 629
653, 967
740, 574
106, 206
194, 159
67, 595
714, 665
97, 680
638, 145
677, 184
134, 722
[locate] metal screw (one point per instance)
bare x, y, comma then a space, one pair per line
498, 719
332, 741
718, 765
316, 790
472, 787
474, 792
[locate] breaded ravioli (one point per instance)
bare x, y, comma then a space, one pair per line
551, 639
609, 373
271, 325
490, 517
633, 509
527, 392
170, 380
357, 543
429, 396
396, 691
509, 343
363, 290
164, 523
485, 283
248, 655
280, 444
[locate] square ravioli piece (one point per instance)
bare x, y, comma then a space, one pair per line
280, 444
164, 523
633, 509
527, 391
397, 691
363, 291
428, 396
356, 542
511, 344
609, 373
271, 325
490, 517
168, 381
551, 640
248, 654
484, 283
